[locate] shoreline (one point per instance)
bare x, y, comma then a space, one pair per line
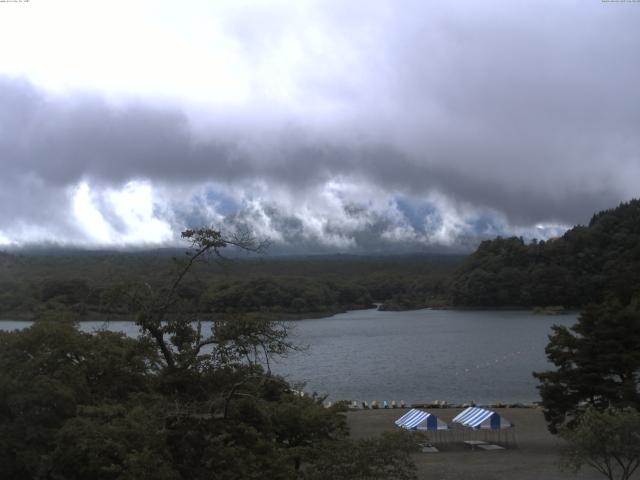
293, 317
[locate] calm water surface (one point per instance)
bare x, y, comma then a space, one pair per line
421, 355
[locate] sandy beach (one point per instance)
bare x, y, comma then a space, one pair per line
535, 455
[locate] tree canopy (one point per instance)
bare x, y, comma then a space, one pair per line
178, 402
597, 363
89, 284
608, 441
584, 266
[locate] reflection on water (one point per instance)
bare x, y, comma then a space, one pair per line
421, 355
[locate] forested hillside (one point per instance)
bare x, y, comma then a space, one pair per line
579, 268
91, 285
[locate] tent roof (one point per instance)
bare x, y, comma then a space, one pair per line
420, 420
476, 417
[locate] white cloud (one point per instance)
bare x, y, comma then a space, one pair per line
313, 119
340, 214
4, 240
88, 216
132, 48
132, 215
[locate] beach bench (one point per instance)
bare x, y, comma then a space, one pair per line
474, 443
427, 448
491, 447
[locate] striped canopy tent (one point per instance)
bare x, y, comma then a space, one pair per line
480, 418
420, 420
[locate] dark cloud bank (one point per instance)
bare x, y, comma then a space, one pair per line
466, 128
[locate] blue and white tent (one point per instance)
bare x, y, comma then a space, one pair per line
480, 418
420, 420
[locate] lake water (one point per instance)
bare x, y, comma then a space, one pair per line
416, 356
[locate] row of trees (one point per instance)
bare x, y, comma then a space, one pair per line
89, 285
262, 294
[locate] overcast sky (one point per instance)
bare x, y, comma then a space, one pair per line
356, 126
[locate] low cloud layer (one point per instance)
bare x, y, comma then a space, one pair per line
398, 129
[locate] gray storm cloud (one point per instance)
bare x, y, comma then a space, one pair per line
447, 125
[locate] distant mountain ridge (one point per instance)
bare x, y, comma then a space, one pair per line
583, 266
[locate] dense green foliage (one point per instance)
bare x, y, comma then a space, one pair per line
598, 363
384, 458
574, 270
608, 441
48, 373
90, 285
175, 403
75, 406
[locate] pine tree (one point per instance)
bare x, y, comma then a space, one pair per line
598, 363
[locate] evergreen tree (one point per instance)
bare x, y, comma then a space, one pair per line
598, 363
